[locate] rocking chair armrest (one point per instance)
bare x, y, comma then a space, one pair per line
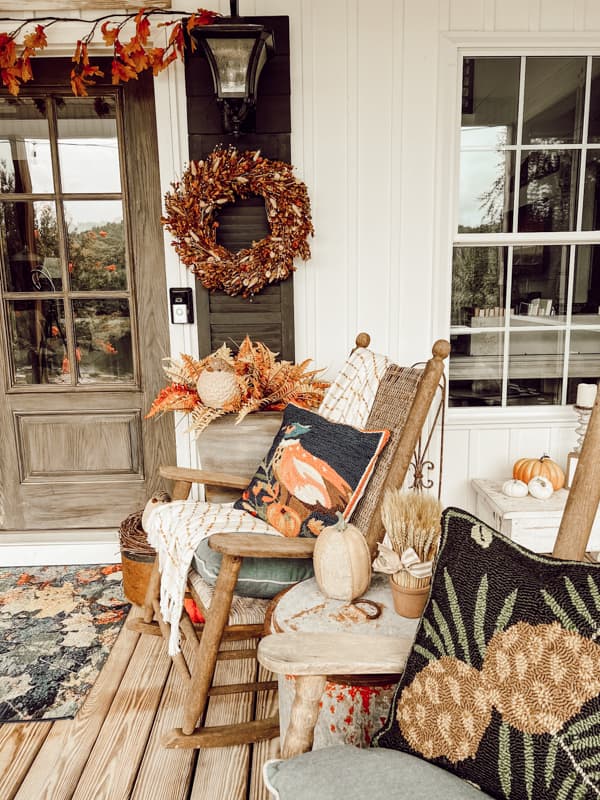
334, 653
261, 545
204, 476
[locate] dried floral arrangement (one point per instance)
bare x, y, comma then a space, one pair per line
412, 523
223, 383
129, 58
205, 187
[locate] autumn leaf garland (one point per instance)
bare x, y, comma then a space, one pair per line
130, 58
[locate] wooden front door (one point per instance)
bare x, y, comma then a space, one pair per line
83, 323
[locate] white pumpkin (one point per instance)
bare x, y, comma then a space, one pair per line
541, 488
342, 561
217, 384
515, 488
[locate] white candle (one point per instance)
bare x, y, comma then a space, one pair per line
586, 395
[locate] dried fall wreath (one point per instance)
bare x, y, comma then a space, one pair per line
223, 176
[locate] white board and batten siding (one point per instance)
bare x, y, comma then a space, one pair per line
374, 135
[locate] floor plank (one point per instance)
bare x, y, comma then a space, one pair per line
221, 772
19, 745
112, 767
62, 757
266, 706
171, 770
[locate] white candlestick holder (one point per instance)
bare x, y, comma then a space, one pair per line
583, 414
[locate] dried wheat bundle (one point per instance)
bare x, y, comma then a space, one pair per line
412, 519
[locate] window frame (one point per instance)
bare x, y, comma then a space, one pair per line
453, 49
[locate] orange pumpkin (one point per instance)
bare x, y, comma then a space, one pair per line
284, 518
527, 468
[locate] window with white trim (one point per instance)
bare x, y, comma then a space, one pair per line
525, 316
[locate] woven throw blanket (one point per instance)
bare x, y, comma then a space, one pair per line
350, 397
176, 529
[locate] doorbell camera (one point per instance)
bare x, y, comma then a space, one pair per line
182, 306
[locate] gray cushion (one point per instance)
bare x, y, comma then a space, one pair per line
258, 577
347, 773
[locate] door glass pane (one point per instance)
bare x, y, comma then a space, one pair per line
554, 98
584, 360
547, 197
103, 341
586, 285
25, 164
478, 286
591, 192
38, 341
486, 191
96, 244
490, 95
29, 246
535, 368
594, 122
476, 369
88, 145
539, 285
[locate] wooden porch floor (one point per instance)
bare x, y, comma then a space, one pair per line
112, 751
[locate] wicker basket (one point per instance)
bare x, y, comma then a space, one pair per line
137, 558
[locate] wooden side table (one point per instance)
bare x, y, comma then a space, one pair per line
352, 711
529, 522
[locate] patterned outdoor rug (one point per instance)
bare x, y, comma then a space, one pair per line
57, 626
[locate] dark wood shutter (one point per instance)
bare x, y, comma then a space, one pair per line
269, 316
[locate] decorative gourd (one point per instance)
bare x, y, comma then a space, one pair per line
515, 488
217, 384
540, 487
342, 561
527, 468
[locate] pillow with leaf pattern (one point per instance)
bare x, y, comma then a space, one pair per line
502, 686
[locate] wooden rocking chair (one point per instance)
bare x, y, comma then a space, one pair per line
402, 404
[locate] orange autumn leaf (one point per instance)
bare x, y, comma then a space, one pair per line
175, 397
80, 79
109, 34
36, 40
25, 65
134, 55
142, 26
11, 79
8, 51
176, 39
157, 60
121, 72
198, 18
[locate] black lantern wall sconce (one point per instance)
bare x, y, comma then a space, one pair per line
236, 52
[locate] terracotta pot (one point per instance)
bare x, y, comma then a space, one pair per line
236, 449
409, 602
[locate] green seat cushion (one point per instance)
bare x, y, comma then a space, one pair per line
502, 685
258, 577
352, 774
